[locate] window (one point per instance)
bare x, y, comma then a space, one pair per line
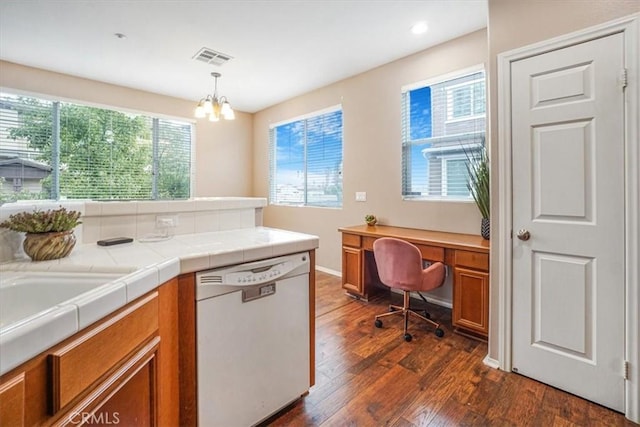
306, 160
443, 126
61, 150
465, 100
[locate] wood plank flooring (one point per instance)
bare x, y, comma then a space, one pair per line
370, 377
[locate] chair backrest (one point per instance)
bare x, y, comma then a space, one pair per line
400, 266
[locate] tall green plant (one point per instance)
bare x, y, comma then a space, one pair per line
478, 168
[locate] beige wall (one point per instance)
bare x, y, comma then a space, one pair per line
372, 152
517, 23
216, 143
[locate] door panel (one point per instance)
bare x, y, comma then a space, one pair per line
562, 172
568, 192
549, 304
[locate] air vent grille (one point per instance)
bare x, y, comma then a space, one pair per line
210, 279
210, 56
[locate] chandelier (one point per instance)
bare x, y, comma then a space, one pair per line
215, 106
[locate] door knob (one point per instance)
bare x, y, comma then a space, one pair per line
523, 234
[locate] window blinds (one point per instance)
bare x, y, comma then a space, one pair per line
91, 153
306, 161
443, 125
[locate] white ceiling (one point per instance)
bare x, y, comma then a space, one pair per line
281, 48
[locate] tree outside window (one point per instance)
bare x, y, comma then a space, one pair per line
92, 153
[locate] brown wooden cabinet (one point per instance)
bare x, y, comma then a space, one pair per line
468, 255
471, 301
352, 280
121, 370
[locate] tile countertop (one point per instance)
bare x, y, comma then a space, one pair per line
144, 266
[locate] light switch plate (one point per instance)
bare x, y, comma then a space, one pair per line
361, 196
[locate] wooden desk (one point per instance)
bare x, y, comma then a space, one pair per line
467, 254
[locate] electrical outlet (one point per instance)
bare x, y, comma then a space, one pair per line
361, 196
166, 221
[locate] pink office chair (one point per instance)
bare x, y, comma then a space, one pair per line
400, 267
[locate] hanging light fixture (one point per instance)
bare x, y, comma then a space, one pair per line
214, 106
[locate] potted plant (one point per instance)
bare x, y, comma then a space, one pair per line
370, 219
478, 168
49, 234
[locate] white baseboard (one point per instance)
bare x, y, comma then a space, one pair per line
328, 271
433, 300
492, 363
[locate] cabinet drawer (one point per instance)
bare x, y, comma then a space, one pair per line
352, 240
83, 361
431, 253
475, 260
367, 242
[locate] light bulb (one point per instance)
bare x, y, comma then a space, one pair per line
229, 114
200, 113
208, 106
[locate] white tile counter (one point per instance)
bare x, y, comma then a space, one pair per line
143, 266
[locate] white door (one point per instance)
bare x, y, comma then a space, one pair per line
568, 194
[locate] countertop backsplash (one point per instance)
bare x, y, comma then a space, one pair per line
139, 219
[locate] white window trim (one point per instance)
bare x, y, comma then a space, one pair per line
331, 109
441, 77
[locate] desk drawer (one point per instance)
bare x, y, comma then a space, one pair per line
367, 242
470, 259
432, 253
352, 240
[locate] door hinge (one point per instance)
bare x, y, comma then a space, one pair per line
625, 370
623, 78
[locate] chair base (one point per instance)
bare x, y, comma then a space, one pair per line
407, 312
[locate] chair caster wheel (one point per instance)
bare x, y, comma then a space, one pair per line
439, 333
427, 314
378, 323
407, 337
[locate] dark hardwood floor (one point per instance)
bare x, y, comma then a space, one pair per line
370, 377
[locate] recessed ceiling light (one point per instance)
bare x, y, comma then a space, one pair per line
419, 28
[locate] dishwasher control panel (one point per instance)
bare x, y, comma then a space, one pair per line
258, 275
232, 278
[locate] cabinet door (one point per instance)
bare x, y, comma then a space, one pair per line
352, 270
12, 401
128, 397
471, 301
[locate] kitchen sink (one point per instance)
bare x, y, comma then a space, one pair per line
25, 294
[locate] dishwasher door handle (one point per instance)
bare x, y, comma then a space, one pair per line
251, 293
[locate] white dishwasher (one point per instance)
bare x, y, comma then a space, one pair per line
252, 339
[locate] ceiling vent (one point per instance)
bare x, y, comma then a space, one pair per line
212, 57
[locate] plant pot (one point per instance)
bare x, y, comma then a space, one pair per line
485, 228
46, 246
372, 222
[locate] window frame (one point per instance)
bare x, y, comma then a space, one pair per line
273, 159
152, 116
